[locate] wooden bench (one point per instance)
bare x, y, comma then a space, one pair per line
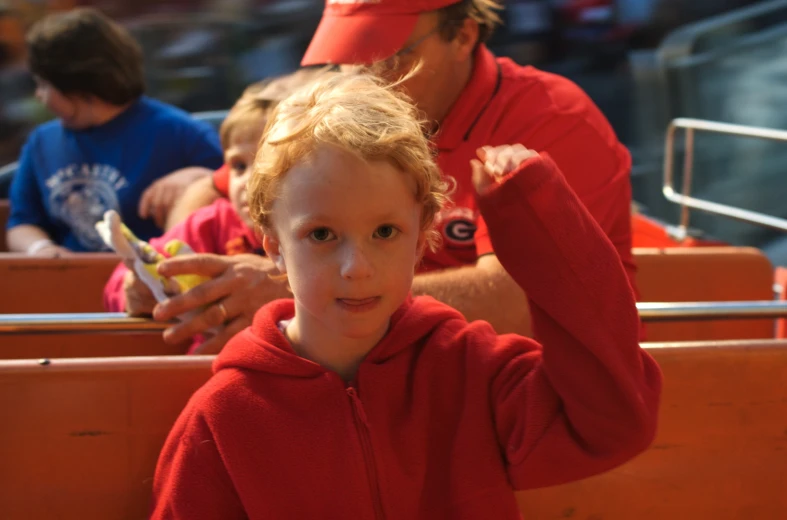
82, 345
54, 285
80, 439
705, 274
76, 285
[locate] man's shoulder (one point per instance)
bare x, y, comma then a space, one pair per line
541, 90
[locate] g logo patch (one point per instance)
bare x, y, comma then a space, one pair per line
460, 230
458, 227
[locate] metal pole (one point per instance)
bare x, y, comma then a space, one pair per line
692, 311
120, 323
83, 322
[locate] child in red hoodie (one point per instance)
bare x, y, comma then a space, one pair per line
354, 400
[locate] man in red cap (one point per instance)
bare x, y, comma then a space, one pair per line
473, 100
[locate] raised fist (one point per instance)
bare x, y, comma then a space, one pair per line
495, 162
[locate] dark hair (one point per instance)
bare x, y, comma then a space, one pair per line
482, 11
84, 52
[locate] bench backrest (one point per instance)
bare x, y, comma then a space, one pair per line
54, 285
80, 439
705, 274
82, 345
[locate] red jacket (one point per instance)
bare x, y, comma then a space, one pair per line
444, 418
213, 229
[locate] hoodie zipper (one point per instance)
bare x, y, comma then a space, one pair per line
362, 427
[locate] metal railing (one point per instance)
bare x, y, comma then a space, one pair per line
710, 33
79, 322
695, 311
684, 198
11, 324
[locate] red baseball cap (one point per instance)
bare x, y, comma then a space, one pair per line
355, 32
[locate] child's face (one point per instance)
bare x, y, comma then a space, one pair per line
347, 233
240, 158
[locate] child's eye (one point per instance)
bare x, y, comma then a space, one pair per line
386, 231
239, 167
322, 235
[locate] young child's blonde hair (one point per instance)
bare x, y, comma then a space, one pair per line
360, 114
259, 99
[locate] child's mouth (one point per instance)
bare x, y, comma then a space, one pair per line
358, 305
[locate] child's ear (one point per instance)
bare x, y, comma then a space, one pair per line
273, 249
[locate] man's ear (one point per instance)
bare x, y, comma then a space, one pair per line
273, 249
466, 39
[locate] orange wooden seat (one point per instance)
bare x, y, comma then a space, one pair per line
86, 345
721, 450
705, 274
52, 285
780, 281
80, 439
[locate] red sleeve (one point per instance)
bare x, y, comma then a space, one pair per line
597, 167
583, 397
191, 480
221, 180
199, 231
483, 244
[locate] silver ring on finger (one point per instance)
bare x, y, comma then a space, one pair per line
224, 314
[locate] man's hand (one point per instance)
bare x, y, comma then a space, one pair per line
241, 284
496, 162
158, 199
139, 298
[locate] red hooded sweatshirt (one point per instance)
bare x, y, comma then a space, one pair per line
444, 418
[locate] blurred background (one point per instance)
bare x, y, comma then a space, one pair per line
643, 62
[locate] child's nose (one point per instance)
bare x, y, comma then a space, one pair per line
356, 264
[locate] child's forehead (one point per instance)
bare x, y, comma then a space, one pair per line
344, 175
247, 131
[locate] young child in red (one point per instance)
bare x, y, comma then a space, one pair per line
354, 400
224, 227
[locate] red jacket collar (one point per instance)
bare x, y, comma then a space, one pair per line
479, 91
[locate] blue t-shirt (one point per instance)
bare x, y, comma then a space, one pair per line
67, 178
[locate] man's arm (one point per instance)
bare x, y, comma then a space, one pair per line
483, 291
199, 194
160, 198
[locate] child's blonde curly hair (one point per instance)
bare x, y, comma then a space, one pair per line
360, 114
259, 99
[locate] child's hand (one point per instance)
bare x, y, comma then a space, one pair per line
496, 162
139, 298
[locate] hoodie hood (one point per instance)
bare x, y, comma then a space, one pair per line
264, 348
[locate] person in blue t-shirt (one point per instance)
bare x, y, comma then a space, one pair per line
109, 144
